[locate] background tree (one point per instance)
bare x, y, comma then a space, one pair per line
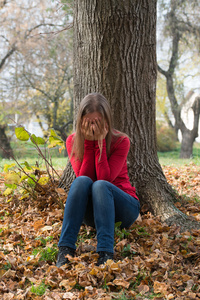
46, 76
120, 37
22, 23
180, 26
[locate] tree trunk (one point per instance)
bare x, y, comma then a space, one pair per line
189, 136
115, 54
7, 151
187, 144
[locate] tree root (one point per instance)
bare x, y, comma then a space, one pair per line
184, 222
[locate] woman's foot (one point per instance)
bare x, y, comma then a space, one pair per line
103, 257
62, 259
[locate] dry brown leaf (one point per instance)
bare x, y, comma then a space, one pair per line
121, 282
160, 287
38, 224
143, 289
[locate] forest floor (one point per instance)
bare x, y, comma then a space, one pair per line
152, 260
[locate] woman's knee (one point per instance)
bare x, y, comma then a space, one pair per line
82, 180
98, 186
81, 184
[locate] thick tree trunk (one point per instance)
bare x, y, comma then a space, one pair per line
187, 144
6, 150
115, 54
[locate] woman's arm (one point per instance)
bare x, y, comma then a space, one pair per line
109, 169
87, 166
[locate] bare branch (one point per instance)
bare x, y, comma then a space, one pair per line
10, 52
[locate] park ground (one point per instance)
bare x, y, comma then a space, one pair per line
152, 260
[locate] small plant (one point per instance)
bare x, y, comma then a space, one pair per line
44, 240
122, 297
27, 179
121, 233
105, 286
126, 251
40, 289
142, 231
154, 296
7, 266
140, 276
78, 287
48, 254
85, 234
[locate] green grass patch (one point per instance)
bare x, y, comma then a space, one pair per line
47, 254
24, 151
59, 163
40, 289
172, 157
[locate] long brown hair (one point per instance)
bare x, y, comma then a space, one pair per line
94, 102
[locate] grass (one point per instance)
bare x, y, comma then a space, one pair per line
172, 157
40, 289
24, 151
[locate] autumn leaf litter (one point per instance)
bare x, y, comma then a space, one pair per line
151, 261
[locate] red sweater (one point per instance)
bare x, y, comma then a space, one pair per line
112, 169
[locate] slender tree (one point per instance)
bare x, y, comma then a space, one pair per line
115, 54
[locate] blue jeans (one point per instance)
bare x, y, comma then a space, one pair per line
98, 204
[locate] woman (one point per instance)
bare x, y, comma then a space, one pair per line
101, 194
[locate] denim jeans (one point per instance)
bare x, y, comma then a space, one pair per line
98, 204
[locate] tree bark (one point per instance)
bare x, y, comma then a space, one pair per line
115, 54
7, 151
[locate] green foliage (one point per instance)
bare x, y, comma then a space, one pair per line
122, 297
47, 254
166, 138
121, 233
40, 289
24, 177
55, 140
85, 234
67, 6
172, 157
105, 286
142, 231
22, 134
126, 251
44, 240
7, 266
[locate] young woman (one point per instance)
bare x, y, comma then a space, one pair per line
101, 194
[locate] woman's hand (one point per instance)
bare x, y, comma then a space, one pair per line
100, 129
87, 129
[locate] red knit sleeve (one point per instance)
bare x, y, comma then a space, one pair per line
87, 166
109, 169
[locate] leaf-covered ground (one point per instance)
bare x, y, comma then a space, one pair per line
152, 260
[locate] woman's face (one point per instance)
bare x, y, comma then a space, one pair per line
92, 116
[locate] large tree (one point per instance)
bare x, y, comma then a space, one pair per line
115, 54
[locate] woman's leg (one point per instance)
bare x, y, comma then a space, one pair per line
75, 208
110, 205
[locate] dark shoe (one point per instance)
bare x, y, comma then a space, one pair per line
63, 251
103, 257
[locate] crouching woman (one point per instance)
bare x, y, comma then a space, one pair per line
101, 194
